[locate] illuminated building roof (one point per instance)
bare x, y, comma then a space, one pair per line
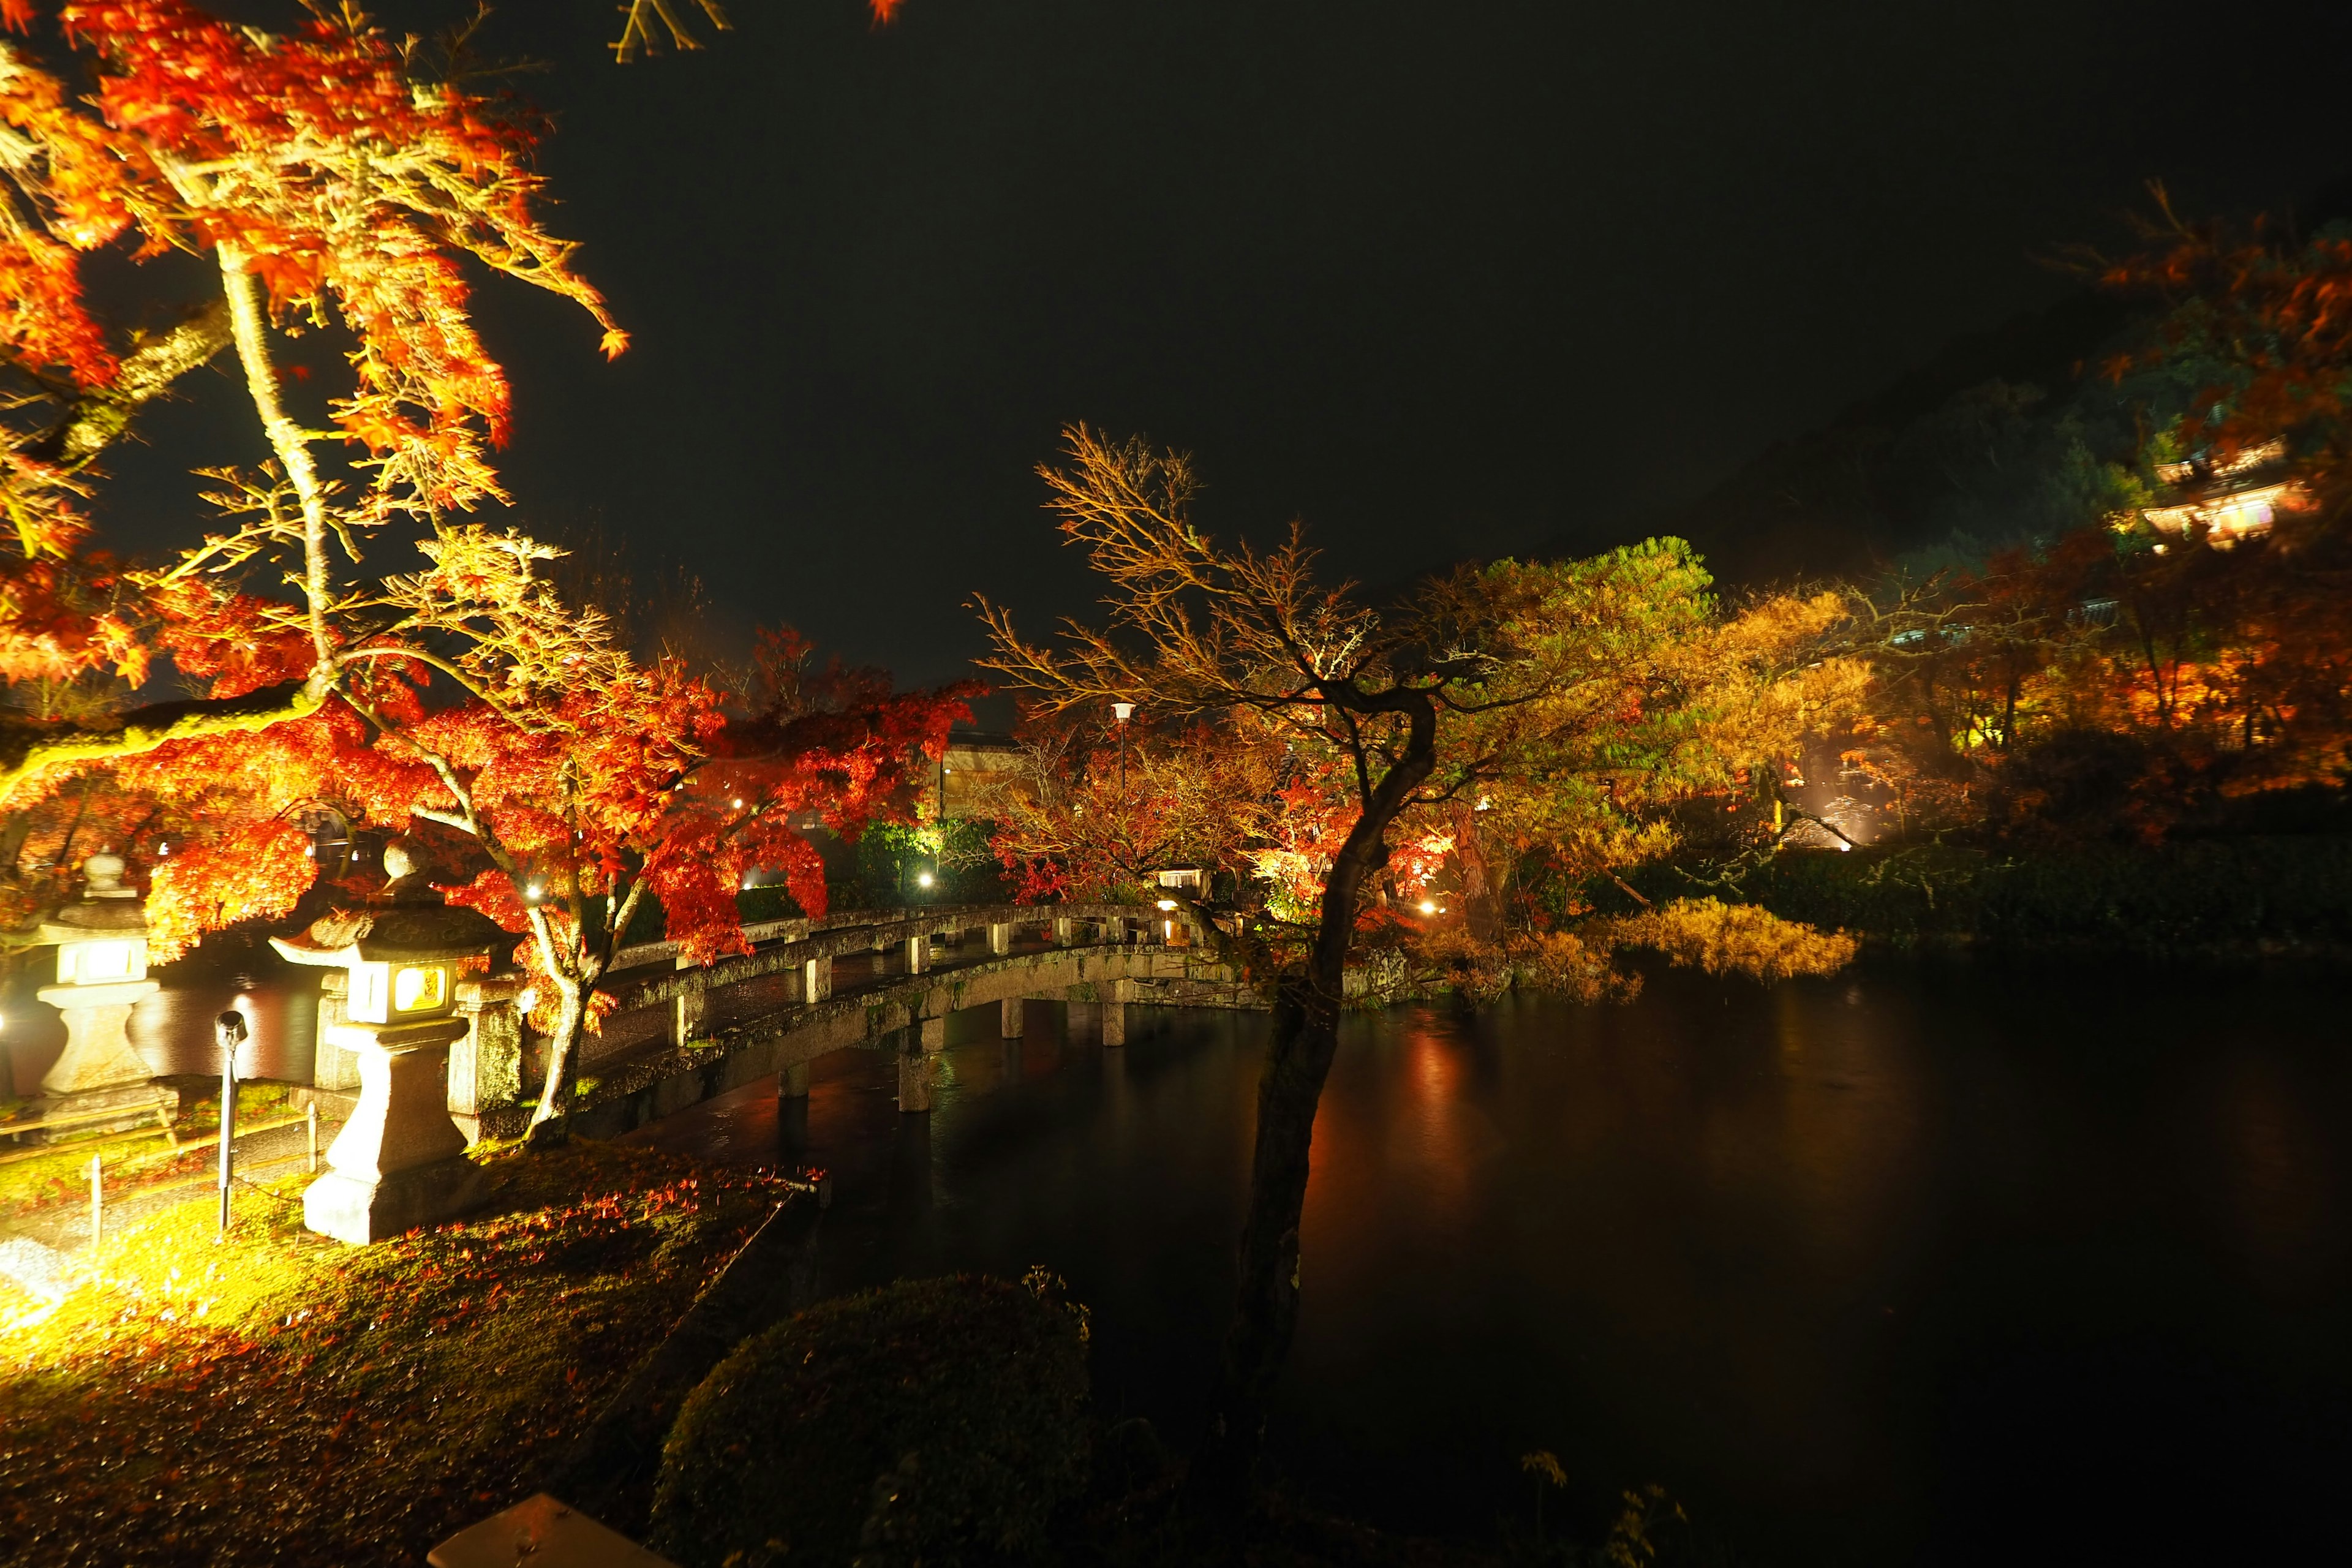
2231, 498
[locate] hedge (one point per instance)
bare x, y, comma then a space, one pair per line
2199, 896
932, 1421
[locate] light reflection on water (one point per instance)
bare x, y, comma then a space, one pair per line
1891, 1268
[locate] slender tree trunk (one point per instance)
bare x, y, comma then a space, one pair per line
550, 1122
249, 326
1299, 1057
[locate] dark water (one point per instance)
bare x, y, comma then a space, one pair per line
1925, 1265
172, 1028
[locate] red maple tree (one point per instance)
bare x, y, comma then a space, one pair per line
327, 179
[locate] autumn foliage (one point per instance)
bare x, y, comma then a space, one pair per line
356, 643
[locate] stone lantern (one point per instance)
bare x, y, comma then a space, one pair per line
101, 945
400, 1161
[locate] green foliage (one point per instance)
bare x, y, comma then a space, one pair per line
892, 857
932, 1421
2202, 895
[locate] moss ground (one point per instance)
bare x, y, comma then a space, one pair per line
280, 1398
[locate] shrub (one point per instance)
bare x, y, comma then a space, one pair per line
937, 1421
2197, 895
1735, 939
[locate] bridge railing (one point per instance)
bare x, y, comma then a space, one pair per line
779, 945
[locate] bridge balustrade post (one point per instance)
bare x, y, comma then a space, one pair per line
687, 1010
486, 1066
1014, 1016
999, 937
816, 979
914, 1082
1065, 931
919, 954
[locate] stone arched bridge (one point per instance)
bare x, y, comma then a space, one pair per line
873, 980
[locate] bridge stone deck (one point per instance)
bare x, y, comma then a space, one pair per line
675, 1041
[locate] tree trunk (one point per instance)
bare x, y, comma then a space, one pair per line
1482, 907
1299, 1057
550, 1123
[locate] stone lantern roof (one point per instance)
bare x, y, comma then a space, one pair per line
410, 925
106, 909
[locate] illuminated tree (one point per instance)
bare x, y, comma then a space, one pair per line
1529, 677
1092, 816
321, 179
325, 179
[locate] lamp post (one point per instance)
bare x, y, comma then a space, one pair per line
229, 1030
1122, 711
400, 1161
101, 944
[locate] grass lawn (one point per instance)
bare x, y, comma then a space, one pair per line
280, 1398
59, 1174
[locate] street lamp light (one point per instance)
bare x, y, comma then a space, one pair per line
1122, 711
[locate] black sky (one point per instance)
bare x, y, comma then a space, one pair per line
1443, 280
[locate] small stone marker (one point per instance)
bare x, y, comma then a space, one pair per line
541, 1532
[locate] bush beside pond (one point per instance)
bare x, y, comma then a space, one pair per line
2202, 896
938, 1421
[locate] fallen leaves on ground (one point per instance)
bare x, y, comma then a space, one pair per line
281, 1398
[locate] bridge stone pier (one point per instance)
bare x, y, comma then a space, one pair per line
1098, 958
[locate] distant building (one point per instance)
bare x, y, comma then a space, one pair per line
2232, 500
965, 772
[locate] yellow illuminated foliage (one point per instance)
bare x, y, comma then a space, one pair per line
278, 1399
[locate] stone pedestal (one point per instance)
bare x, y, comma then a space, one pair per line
1114, 1022
816, 980
99, 1073
400, 1161
1014, 1013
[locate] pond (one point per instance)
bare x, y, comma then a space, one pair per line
1932, 1262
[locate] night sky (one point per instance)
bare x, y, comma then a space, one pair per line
1445, 280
